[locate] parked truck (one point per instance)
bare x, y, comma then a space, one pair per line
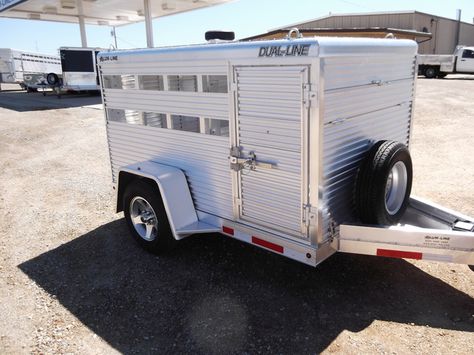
440, 65
298, 146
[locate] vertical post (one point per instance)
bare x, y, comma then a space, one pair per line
148, 23
82, 25
458, 30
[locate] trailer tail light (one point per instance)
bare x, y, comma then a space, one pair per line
399, 254
227, 230
268, 245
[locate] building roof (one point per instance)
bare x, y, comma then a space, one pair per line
395, 31
363, 14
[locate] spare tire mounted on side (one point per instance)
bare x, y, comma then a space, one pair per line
383, 183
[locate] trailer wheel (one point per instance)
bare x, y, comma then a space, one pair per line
431, 72
52, 79
383, 183
146, 217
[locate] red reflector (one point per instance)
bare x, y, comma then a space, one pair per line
399, 254
268, 245
227, 230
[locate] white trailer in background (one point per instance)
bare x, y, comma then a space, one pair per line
298, 146
16, 64
79, 69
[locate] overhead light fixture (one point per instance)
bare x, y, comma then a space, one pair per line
68, 4
34, 16
122, 18
103, 23
168, 5
140, 13
50, 9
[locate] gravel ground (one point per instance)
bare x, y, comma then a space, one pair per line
73, 281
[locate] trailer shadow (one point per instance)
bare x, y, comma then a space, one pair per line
21, 101
218, 295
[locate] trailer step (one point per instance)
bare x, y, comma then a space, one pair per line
198, 227
427, 232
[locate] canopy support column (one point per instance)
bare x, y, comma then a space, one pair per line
82, 24
148, 23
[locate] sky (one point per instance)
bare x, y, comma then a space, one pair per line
244, 17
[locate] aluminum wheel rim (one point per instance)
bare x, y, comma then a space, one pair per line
143, 218
396, 188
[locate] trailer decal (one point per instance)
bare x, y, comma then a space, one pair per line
284, 51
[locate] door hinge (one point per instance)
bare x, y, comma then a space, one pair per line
309, 216
309, 96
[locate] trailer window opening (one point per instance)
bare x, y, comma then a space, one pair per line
185, 123
119, 81
214, 83
182, 83
216, 127
152, 119
150, 82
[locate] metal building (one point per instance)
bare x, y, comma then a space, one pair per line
434, 34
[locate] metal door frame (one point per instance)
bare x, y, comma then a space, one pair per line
305, 164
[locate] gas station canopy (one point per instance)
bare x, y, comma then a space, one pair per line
100, 12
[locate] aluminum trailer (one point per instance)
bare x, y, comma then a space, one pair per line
79, 69
15, 64
298, 146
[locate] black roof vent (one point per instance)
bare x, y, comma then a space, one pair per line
222, 35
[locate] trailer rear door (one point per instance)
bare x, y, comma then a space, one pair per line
269, 144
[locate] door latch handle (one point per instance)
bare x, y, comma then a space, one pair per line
238, 163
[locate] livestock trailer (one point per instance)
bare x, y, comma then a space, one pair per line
79, 69
15, 64
298, 146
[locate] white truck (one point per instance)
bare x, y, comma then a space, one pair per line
440, 65
298, 146
16, 64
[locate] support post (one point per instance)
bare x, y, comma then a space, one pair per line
148, 23
82, 25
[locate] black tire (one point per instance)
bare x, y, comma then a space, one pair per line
29, 89
431, 72
223, 35
374, 201
52, 79
163, 240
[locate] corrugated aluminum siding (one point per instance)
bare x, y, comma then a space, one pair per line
202, 157
270, 124
357, 113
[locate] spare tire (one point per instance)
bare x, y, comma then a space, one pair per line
223, 35
52, 79
383, 183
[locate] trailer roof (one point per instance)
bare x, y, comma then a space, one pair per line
103, 12
318, 47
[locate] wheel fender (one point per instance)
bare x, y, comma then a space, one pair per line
173, 188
